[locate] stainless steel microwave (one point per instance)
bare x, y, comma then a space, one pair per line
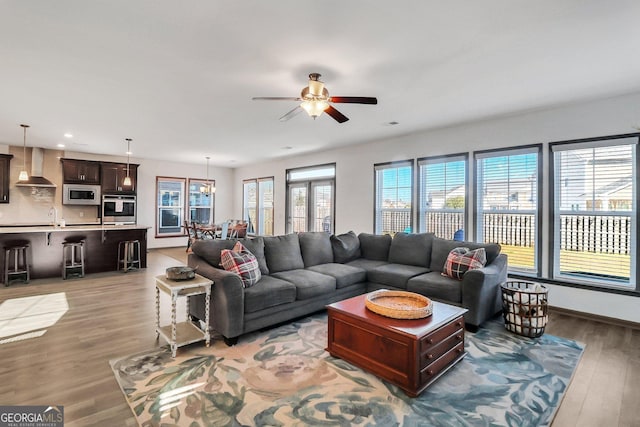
80, 194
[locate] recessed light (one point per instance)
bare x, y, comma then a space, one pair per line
392, 123
60, 145
68, 135
288, 147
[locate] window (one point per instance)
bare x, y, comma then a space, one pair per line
595, 210
170, 206
201, 201
257, 205
443, 196
393, 197
507, 201
311, 198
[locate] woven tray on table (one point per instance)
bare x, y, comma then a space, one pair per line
399, 304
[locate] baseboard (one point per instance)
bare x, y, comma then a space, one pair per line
598, 318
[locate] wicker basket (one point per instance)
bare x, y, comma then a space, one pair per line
524, 308
399, 304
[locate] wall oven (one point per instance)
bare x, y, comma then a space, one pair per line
80, 194
118, 209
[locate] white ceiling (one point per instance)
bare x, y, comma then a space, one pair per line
178, 77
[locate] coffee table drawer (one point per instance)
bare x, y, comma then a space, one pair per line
433, 370
435, 351
438, 335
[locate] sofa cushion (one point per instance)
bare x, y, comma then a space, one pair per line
375, 247
309, 284
345, 275
395, 275
241, 262
435, 285
315, 247
271, 292
283, 253
256, 247
461, 260
209, 250
366, 264
411, 249
442, 247
346, 247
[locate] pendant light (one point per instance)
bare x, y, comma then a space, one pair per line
205, 189
24, 176
127, 179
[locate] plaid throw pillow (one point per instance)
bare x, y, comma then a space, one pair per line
461, 260
241, 262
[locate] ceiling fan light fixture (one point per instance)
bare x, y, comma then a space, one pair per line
314, 108
316, 87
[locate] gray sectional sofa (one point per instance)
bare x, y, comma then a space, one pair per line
303, 272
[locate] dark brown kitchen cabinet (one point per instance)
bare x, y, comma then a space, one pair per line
80, 171
113, 175
5, 163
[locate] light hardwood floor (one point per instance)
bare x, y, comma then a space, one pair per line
113, 314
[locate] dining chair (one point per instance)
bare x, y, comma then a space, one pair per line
192, 234
223, 233
239, 231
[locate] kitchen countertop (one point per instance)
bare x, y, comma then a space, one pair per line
7, 229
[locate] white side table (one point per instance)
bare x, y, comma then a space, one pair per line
183, 333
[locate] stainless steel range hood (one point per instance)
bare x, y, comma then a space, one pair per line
35, 178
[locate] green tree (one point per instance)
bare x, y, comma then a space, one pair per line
456, 202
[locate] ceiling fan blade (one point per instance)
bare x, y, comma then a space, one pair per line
337, 115
275, 98
354, 100
291, 114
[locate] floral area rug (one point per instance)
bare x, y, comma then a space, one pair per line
284, 377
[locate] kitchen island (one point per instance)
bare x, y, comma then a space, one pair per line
100, 247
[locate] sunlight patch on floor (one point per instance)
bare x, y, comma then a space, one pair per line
20, 317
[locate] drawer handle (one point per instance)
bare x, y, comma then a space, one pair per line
458, 323
458, 337
429, 372
429, 341
459, 350
429, 356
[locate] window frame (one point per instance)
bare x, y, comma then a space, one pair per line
581, 283
212, 198
448, 158
394, 165
255, 226
182, 207
477, 228
310, 183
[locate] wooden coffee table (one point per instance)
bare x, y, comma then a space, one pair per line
411, 354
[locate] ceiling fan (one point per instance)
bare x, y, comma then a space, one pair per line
315, 99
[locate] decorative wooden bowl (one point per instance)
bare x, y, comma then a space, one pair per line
180, 273
399, 304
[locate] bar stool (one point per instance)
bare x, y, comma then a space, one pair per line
129, 255
15, 252
70, 262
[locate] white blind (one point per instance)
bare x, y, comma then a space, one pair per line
442, 196
393, 198
594, 211
507, 204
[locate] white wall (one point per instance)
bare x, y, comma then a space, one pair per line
354, 172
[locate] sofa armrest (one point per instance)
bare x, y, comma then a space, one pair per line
481, 291
227, 298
